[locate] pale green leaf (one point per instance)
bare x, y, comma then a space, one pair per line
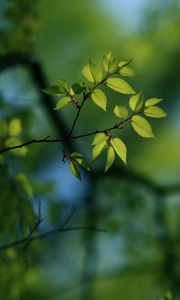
110, 158
75, 169
99, 98
87, 73
136, 102
121, 112
119, 85
82, 163
78, 158
25, 184
96, 72
155, 112
142, 126
126, 71
71, 92
99, 138
124, 63
14, 127
153, 101
110, 62
13, 141
62, 103
76, 154
97, 149
119, 148
92, 72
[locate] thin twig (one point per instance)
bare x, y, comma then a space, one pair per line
48, 234
69, 216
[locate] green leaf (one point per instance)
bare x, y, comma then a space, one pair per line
136, 102
142, 126
76, 154
14, 127
97, 149
155, 112
63, 85
77, 158
99, 98
121, 112
75, 169
92, 72
124, 63
126, 71
96, 72
13, 141
82, 163
119, 85
87, 73
110, 158
77, 88
3, 128
153, 101
54, 90
62, 103
71, 92
25, 184
119, 148
99, 138
110, 62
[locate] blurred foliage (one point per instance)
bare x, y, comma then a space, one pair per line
18, 25
139, 256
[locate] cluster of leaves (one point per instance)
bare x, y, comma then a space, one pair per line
111, 76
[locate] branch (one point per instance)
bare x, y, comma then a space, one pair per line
47, 234
69, 137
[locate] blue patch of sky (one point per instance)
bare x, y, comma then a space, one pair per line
68, 187
128, 12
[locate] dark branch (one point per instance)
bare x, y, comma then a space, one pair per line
48, 234
69, 137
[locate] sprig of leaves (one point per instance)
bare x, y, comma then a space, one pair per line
110, 75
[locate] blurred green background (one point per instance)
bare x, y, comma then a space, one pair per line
138, 258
